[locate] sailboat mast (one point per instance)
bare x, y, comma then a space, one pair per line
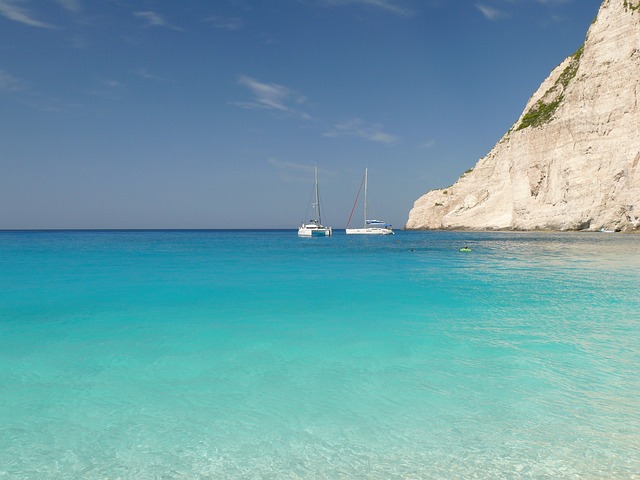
318, 219
366, 184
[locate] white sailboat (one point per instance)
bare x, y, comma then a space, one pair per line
314, 227
370, 226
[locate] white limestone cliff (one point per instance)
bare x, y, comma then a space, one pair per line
572, 160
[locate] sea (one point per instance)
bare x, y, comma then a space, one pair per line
253, 354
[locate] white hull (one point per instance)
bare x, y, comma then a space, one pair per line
369, 231
314, 231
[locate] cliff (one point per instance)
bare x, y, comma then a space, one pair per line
572, 159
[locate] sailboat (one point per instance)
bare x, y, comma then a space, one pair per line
314, 227
370, 226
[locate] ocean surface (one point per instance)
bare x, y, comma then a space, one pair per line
261, 355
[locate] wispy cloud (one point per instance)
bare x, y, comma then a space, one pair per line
9, 83
154, 19
356, 128
108, 88
25, 94
493, 13
271, 96
391, 6
110, 83
71, 5
292, 172
490, 12
297, 167
297, 172
225, 23
144, 73
13, 10
428, 144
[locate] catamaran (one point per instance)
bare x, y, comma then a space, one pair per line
314, 227
370, 227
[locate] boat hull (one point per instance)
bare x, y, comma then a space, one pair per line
369, 231
315, 232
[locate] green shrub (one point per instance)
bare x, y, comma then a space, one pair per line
542, 112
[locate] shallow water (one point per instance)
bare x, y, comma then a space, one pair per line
253, 354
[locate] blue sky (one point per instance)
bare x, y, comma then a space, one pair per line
212, 113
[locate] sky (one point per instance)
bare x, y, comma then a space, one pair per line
213, 113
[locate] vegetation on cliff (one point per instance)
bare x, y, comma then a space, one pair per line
542, 112
628, 5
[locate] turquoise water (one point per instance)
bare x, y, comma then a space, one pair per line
261, 355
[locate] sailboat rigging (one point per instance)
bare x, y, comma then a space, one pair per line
370, 226
314, 227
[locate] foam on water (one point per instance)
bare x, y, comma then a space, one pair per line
263, 355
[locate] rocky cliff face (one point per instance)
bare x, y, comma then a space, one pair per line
572, 160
